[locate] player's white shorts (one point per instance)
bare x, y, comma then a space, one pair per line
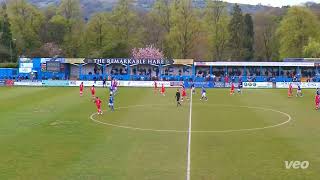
239, 89
110, 104
203, 94
299, 91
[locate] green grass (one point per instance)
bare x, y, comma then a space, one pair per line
47, 133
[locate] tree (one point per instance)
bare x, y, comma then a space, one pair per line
70, 10
57, 29
248, 37
265, 41
125, 27
312, 50
158, 25
161, 13
217, 28
116, 50
237, 32
185, 28
295, 30
26, 22
97, 34
6, 41
70, 14
54, 27
74, 41
48, 50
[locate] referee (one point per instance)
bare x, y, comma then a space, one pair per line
178, 97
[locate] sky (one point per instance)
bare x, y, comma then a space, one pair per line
276, 3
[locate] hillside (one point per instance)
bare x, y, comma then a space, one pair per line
92, 6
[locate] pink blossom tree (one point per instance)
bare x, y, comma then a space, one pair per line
149, 52
51, 49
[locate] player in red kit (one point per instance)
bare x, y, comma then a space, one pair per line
81, 89
317, 101
290, 90
232, 89
98, 104
184, 93
93, 91
155, 87
163, 90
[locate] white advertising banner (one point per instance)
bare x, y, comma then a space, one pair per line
88, 83
26, 65
257, 84
25, 70
307, 85
126, 83
28, 83
143, 83
258, 64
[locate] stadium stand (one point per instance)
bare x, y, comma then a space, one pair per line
79, 69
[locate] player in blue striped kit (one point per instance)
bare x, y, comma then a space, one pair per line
299, 91
111, 102
204, 94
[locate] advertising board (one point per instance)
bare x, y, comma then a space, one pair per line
61, 83
307, 85
25, 70
26, 65
28, 83
257, 84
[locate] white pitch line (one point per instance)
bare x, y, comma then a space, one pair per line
197, 131
189, 140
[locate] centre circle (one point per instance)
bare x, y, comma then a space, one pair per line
226, 118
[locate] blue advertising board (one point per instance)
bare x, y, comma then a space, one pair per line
209, 84
219, 84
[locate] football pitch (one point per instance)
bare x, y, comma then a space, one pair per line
52, 133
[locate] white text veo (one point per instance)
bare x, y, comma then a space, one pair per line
296, 164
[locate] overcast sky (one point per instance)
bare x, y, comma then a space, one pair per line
277, 3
